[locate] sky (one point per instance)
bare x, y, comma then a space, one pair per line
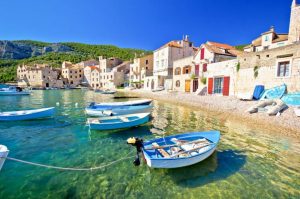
144, 24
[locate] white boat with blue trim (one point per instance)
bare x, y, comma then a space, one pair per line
118, 110
12, 90
178, 150
109, 105
118, 122
27, 114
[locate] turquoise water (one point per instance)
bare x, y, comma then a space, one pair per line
249, 162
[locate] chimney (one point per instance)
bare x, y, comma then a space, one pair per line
272, 29
186, 38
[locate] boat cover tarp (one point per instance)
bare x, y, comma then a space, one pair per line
292, 99
274, 93
259, 89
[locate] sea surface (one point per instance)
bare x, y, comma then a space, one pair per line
249, 162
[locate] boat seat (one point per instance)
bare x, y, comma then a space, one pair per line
124, 119
164, 153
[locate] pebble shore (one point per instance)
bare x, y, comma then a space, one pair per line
221, 107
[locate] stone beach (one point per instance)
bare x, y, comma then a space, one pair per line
230, 108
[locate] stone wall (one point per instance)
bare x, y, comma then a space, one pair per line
267, 66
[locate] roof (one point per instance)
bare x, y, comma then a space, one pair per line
220, 45
94, 68
222, 49
278, 38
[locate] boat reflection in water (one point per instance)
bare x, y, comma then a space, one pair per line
219, 166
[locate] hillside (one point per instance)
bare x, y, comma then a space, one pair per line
13, 53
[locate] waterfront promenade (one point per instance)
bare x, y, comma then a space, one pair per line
229, 108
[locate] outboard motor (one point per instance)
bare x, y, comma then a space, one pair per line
92, 104
138, 143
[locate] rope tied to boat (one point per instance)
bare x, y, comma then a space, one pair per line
70, 168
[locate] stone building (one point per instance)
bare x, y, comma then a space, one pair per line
184, 78
73, 73
39, 76
270, 68
271, 39
163, 59
139, 69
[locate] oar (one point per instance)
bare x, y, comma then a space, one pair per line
183, 152
171, 145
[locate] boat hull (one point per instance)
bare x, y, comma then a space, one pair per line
128, 103
177, 163
274, 93
122, 110
119, 125
155, 161
3, 154
27, 115
12, 93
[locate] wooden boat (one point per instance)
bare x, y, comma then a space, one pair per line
27, 114
292, 99
274, 93
118, 122
297, 111
180, 150
13, 91
109, 105
118, 110
3, 154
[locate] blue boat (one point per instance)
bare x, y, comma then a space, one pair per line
292, 99
118, 122
110, 105
118, 110
27, 114
274, 93
180, 150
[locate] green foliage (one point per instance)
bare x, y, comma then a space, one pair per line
203, 80
255, 69
238, 66
81, 52
241, 47
193, 76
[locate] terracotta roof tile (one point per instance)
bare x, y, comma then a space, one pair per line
220, 45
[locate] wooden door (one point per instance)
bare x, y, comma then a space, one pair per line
187, 86
226, 86
195, 85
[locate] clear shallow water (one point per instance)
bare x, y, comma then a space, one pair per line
249, 163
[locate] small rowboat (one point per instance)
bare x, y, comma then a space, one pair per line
13, 91
105, 91
27, 114
3, 154
292, 99
118, 122
127, 103
118, 110
180, 150
274, 93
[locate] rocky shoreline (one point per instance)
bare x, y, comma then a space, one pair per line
229, 108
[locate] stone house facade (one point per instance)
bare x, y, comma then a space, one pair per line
184, 78
39, 76
139, 69
163, 59
73, 73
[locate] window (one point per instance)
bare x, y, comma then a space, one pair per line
177, 83
186, 70
266, 47
267, 55
266, 38
283, 69
177, 71
218, 85
147, 61
79, 75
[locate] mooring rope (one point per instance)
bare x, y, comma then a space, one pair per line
70, 168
